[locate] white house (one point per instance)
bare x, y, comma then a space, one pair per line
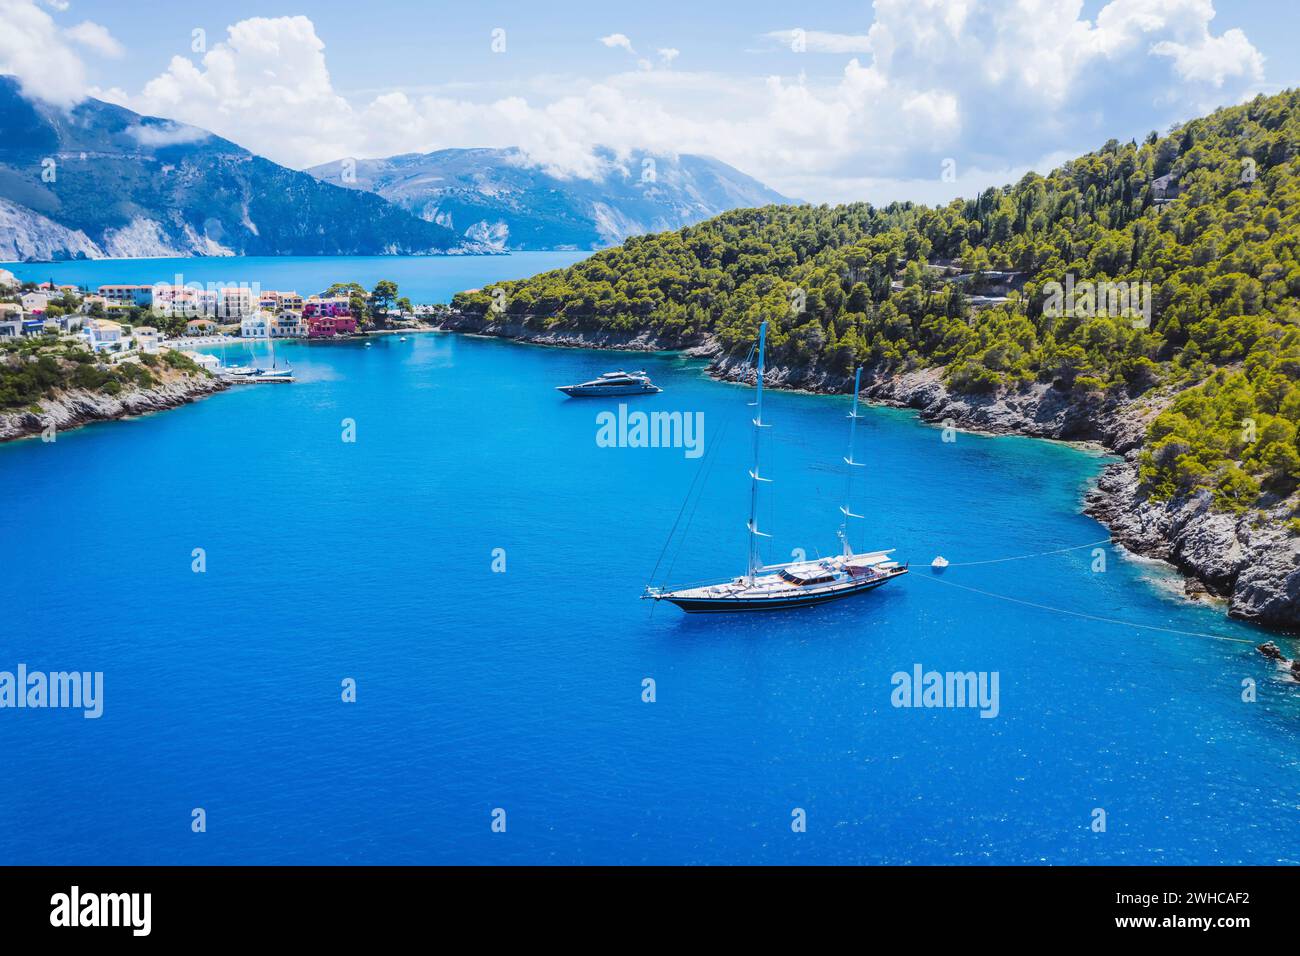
146, 339
255, 326
103, 335
35, 302
203, 360
11, 326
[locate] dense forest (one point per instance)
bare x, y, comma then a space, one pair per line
1207, 215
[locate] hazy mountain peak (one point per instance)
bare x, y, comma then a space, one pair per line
504, 197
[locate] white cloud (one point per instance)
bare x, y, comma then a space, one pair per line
36, 50
95, 37
1214, 59
987, 84
622, 42
618, 40
799, 40
265, 86
167, 133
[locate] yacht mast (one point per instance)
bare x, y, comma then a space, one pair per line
755, 561
846, 509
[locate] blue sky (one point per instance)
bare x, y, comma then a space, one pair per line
824, 101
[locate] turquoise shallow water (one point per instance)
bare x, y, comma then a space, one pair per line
424, 279
479, 690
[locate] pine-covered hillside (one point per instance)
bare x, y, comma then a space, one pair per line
1207, 215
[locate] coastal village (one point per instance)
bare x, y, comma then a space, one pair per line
120, 323
70, 355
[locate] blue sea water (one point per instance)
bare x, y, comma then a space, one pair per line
522, 690
423, 279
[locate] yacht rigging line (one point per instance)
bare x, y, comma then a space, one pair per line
1023, 557
1082, 614
700, 476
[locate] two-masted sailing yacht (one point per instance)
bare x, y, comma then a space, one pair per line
799, 583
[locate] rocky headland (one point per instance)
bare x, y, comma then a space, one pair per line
70, 408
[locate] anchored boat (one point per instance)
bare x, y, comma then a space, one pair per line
613, 383
798, 583
252, 374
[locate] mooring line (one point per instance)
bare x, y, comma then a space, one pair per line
1023, 557
1083, 614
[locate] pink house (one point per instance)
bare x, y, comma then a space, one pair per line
325, 327
339, 307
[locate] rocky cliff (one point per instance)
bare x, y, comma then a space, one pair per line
71, 408
26, 235
1252, 560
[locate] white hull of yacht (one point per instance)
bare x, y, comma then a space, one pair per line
780, 587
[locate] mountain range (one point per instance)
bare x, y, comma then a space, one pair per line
499, 198
99, 180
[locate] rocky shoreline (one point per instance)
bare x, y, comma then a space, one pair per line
72, 408
561, 338
1252, 561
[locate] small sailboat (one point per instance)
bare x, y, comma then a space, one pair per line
797, 583
256, 374
244, 373
274, 375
